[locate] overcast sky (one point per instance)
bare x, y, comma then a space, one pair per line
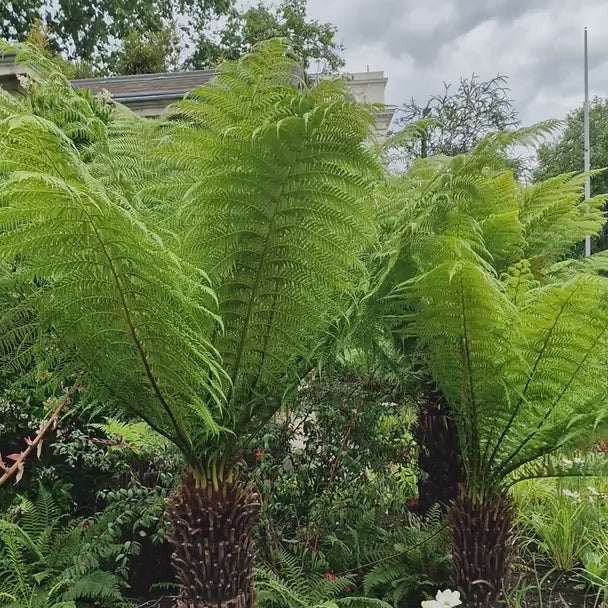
538, 44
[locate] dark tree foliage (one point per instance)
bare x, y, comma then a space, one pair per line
458, 118
565, 154
142, 36
148, 52
93, 30
313, 42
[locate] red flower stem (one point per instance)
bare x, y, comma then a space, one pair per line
10, 471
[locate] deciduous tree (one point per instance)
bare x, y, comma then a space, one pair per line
312, 41
456, 119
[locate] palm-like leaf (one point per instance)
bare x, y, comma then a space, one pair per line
115, 300
255, 188
278, 209
556, 217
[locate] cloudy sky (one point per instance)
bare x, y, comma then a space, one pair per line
538, 44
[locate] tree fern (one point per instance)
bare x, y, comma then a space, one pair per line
518, 351
188, 279
282, 265
460, 283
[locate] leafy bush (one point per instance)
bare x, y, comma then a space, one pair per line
341, 448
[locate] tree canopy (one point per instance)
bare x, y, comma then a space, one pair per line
312, 41
457, 119
141, 36
565, 153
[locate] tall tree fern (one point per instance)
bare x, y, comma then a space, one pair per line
518, 353
188, 270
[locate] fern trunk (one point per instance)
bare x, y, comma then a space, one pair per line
212, 543
438, 452
481, 546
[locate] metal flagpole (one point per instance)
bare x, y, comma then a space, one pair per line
586, 142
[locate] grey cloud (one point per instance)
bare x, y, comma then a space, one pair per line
418, 28
419, 44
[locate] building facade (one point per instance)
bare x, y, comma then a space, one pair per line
150, 94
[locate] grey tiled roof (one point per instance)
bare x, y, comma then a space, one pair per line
147, 86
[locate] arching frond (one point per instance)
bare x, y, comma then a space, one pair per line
565, 345
276, 188
556, 217
109, 295
514, 337
141, 255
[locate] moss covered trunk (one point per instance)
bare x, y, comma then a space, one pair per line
212, 544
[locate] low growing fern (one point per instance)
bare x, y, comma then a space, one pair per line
39, 562
291, 587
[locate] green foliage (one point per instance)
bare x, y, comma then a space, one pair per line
565, 519
313, 42
147, 36
134, 436
40, 565
558, 522
413, 563
521, 363
148, 52
122, 279
334, 467
565, 153
287, 261
291, 587
91, 32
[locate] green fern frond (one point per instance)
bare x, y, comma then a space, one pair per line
293, 588
556, 217
135, 435
97, 586
112, 294
590, 465
364, 602
281, 186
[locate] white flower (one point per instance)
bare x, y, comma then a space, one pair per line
566, 461
104, 95
25, 82
444, 599
593, 490
570, 494
579, 461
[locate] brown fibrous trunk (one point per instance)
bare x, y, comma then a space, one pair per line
480, 533
212, 541
438, 452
